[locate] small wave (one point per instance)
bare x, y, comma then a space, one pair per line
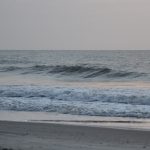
79, 101
127, 96
14, 61
9, 68
81, 71
122, 74
98, 72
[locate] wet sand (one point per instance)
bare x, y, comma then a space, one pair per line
50, 136
51, 131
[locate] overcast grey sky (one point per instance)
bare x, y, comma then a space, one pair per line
75, 24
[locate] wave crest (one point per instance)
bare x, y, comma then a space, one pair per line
82, 71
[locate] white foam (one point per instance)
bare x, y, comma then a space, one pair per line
80, 101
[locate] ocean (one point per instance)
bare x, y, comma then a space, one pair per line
92, 83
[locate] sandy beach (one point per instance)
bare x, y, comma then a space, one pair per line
36, 136
24, 135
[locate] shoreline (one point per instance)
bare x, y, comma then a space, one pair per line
79, 120
35, 136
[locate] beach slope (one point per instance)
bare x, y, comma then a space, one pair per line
48, 136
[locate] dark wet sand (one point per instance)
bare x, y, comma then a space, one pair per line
47, 136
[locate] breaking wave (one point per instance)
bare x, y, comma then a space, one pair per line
78, 101
83, 71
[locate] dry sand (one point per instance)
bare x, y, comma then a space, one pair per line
47, 136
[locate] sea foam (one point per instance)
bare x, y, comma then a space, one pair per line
79, 101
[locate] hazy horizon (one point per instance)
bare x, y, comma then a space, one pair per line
74, 25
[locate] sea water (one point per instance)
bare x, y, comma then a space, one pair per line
94, 83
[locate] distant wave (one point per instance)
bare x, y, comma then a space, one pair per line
14, 61
79, 101
83, 71
9, 68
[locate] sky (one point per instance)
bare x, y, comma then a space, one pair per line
75, 24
